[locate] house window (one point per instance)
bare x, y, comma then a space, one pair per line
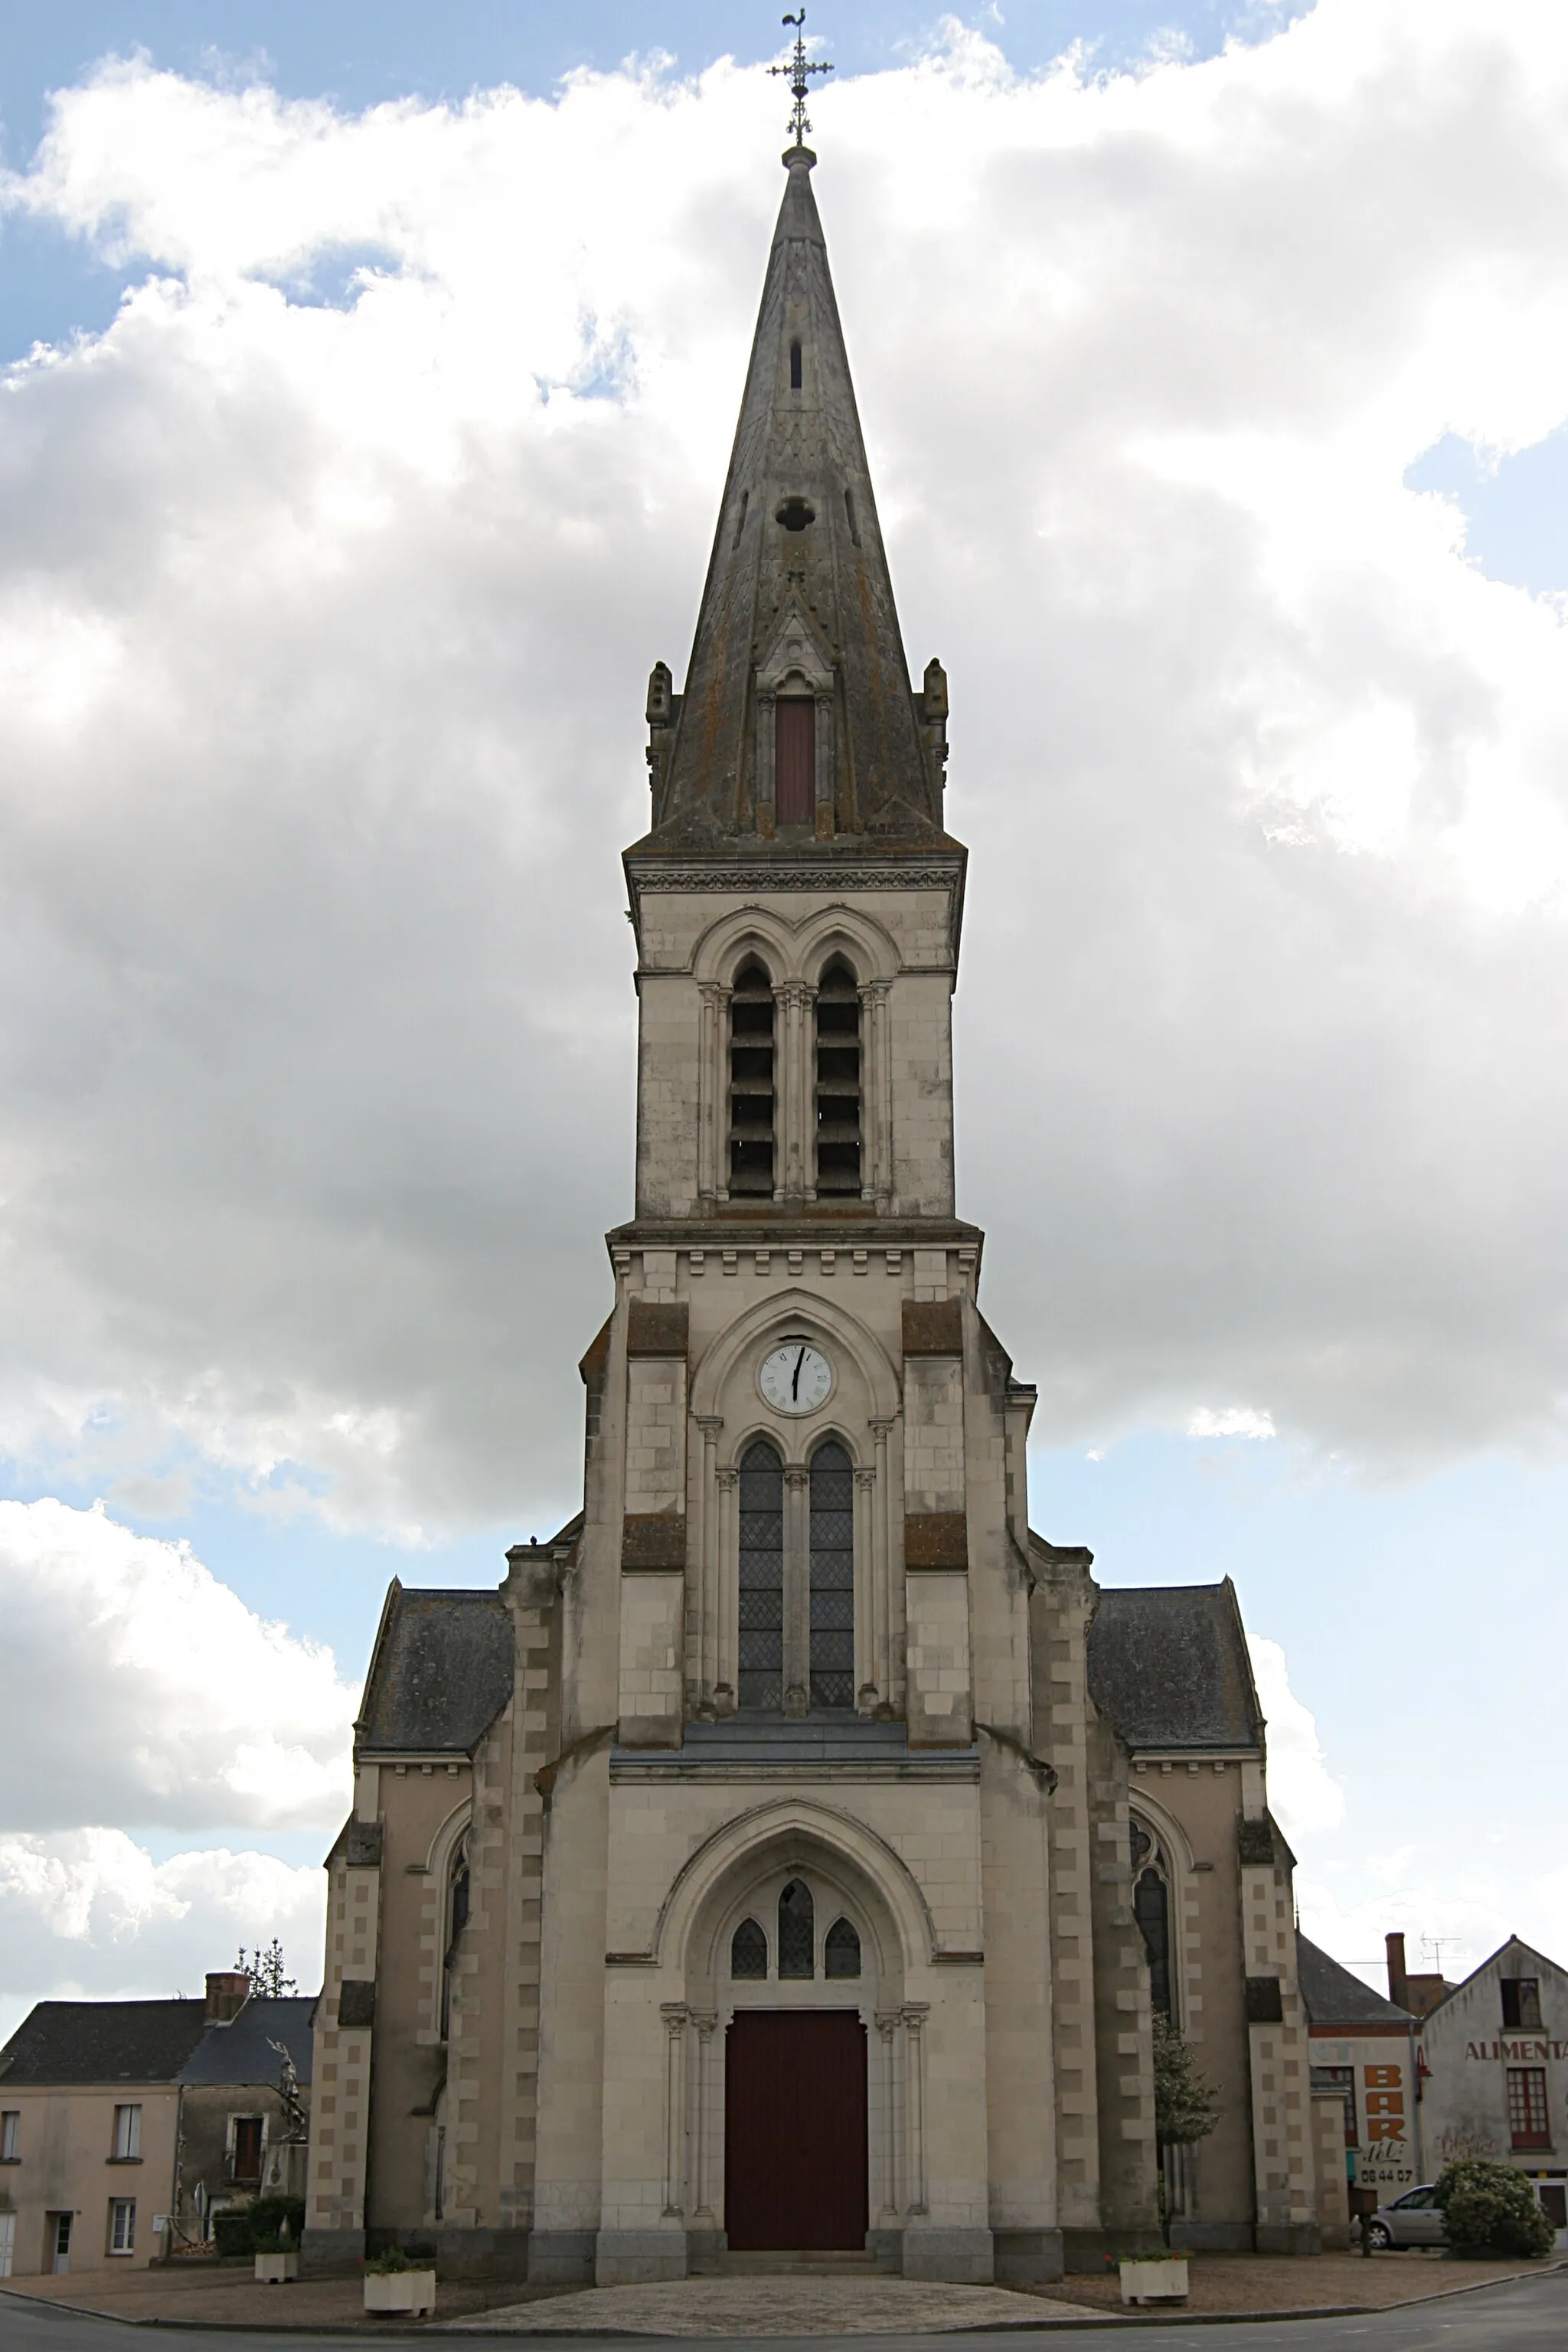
749, 1951
839, 1081
752, 1081
122, 2225
1342, 2080
10, 2131
794, 758
1527, 2107
248, 2148
127, 2133
832, 1578
761, 1629
1521, 2003
457, 1920
797, 1930
841, 1952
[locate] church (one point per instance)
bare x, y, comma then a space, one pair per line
791, 1855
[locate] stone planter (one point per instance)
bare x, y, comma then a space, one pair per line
400, 2291
277, 2269
1155, 2282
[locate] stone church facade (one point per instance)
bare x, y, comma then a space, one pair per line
790, 1853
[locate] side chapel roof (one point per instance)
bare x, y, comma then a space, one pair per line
798, 561
440, 1674
1168, 1666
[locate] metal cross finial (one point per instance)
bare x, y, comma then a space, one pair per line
798, 71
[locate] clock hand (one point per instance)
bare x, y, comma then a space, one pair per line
795, 1384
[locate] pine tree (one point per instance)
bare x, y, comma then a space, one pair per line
264, 1970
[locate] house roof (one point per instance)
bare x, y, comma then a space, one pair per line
242, 2052
1335, 1997
103, 2041
1168, 1666
1513, 1956
440, 1675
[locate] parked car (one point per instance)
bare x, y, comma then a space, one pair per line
1414, 2220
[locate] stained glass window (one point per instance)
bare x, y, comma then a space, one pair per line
797, 1930
832, 1578
1150, 1908
841, 1952
748, 1950
761, 1671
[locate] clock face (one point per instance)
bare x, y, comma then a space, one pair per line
796, 1378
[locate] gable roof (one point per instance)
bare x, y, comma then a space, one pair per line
1168, 1667
440, 1675
1512, 1947
242, 2052
1332, 1996
103, 2041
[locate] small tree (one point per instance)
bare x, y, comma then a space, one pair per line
1186, 2104
1491, 2209
264, 1970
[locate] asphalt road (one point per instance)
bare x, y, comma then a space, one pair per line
1524, 2315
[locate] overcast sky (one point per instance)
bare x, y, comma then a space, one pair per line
369, 395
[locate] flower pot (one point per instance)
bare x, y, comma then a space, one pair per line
1155, 2282
277, 2269
400, 2290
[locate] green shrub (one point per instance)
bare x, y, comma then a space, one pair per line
232, 2232
1491, 2209
393, 2259
269, 2215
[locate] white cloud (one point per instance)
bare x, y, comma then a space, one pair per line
329, 580
136, 1689
1232, 1420
1303, 1794
88, 1914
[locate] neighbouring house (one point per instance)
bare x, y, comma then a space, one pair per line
125, 2124
1363, 2064
1494, 2073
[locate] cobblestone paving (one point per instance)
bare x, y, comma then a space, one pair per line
775, 2307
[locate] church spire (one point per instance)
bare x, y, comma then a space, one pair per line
797, 722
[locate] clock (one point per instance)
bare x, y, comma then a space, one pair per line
796, 1378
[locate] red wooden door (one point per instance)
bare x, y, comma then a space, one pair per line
794, 2130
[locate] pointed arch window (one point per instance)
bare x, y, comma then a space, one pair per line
794, 758
456, 1911
761, 1629
1151, 1909
832, 1578
752, 1092
841, 1951
838, 1080
749, 1951
797, 1930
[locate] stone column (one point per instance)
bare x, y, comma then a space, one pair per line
710, 1584
868, 1685
888, 2022
727, 1572
876, 1096
712, 1095
798, 1590
824, 812
675, 2014
766, 726
882, 1673
915, 2013
794, 1171
702, 2136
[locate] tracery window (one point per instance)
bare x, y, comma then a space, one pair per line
797, 1930
748, 1950
456, 1909
841, 1951
839, 1081
761, 1628
1151, 1909
751, 1080
832, 1578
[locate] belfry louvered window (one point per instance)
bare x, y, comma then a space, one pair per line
752, 1081
839, 1081
832, 1578
761, 1629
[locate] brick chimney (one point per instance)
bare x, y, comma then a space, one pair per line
1398, 1981
228, 1990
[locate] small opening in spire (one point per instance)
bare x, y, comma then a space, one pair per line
741, 517
795, 513
794, 364
851, 517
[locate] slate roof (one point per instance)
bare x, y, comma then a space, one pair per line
1333, 1996
440, 1675
241, 2051
103, 2041
1168, 1666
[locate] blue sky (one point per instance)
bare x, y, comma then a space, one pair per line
1287, 1154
